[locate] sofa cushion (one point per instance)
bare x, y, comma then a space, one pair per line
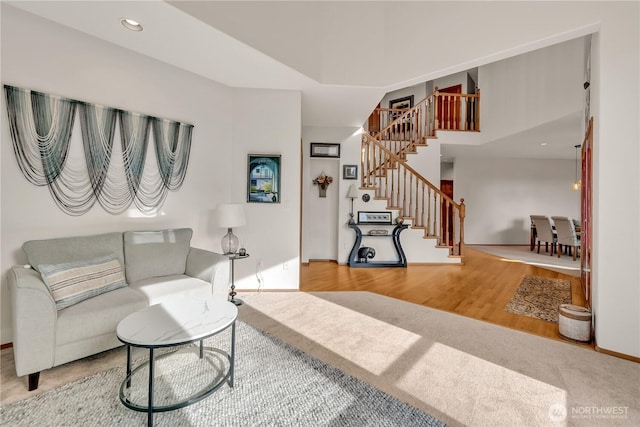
73, 282
156, 253
161, 289
70, 249
96, 316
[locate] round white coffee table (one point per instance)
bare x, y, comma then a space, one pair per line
171, 324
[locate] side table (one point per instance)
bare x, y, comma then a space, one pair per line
232, 294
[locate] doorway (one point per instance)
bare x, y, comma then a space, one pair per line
446, 211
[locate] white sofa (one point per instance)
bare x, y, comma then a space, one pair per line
158, 265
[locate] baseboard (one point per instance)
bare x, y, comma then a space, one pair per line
616, 354
497, 244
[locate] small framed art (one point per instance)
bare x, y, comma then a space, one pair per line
263, 178
350, 172
319, 149
366, 217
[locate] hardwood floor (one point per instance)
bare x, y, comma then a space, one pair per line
479, 289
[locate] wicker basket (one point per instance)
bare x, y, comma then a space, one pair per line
574, 323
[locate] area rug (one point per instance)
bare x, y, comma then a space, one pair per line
275, 384
540, 298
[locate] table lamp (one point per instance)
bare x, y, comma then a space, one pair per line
229, 216
352, 194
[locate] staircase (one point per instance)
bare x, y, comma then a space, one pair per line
397, 133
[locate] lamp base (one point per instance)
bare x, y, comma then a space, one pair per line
229, 243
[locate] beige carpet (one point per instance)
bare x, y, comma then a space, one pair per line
460, 370
540, 298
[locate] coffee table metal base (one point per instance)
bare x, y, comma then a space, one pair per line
150, 409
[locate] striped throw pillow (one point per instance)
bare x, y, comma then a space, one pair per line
73, 282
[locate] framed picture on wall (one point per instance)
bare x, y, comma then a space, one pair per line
350, 172
402, 103
319, 149
263, 178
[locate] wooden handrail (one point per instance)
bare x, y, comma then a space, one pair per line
413, 195
384, 167
405, 129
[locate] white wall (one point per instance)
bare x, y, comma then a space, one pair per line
531, 89
616, 108
418, 91
453, 80
500, 194
228, 123
272, 233
323, 219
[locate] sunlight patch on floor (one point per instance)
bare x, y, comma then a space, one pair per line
369, 343
471, 381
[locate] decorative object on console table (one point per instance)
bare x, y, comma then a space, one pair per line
232, 294
366, 253
350, 172
229, 216
323, 181
366, 217
263, 178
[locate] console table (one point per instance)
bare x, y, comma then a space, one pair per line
395, 237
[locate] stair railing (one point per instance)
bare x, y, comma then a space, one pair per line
403, 130
413, 195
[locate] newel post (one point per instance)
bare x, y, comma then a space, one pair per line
436, 121
478, 109
463, 209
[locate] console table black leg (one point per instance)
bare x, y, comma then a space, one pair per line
150, 403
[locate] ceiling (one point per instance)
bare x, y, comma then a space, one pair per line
342, 56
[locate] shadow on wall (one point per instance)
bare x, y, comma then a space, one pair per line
516, 233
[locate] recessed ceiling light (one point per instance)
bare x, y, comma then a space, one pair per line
544, 143
131, 24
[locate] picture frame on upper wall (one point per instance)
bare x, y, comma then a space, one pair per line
349, 171
403, 103
321, 149
263, 178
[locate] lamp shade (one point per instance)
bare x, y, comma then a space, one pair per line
353, 192
229, 215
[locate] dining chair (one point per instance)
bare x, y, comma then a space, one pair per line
544, 232
566, 234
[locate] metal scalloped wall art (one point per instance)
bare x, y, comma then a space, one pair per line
41, 127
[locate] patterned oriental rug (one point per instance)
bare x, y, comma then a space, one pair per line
275, 384
540, 298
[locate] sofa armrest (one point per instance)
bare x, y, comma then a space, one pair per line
210, 267
34, 317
